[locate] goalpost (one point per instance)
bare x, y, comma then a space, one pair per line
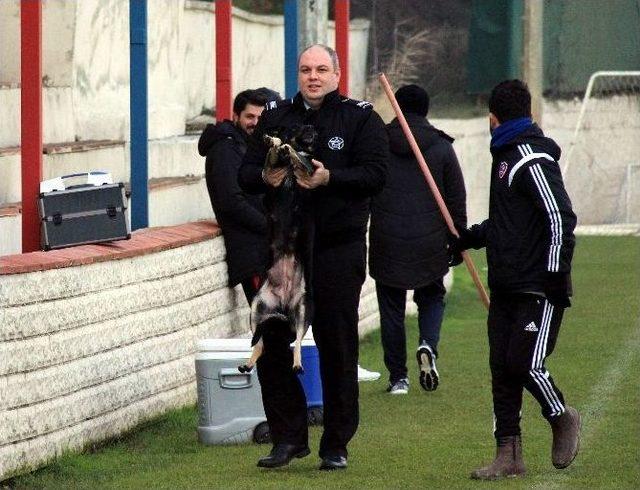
602, 165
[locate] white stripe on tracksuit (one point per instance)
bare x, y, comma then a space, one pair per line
527, 156
538, 373
548, 199
554, 216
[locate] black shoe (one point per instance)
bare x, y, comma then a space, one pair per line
330, 463
282, 454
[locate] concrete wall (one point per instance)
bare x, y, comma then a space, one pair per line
604, 166
258, 49
86, 61
603, 178
88, 352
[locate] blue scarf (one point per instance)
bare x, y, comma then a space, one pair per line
508, 130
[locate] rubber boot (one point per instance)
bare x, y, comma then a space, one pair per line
566, 437
508, 462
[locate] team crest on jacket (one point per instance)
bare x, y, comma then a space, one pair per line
336, 143
503, 169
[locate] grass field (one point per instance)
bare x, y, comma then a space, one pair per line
431, 440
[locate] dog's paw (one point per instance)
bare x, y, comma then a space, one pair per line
298, 370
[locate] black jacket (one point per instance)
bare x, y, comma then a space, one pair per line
529, 232
352, 144
408, 235
240, 216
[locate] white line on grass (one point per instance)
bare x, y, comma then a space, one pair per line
598, 402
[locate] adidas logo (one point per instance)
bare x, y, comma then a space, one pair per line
531, 327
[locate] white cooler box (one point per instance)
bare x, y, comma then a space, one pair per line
229, 402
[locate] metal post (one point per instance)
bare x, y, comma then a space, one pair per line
138, 110
290, 47
312, 22
532, 61
31, 120
223, 59
342, 42
514, 57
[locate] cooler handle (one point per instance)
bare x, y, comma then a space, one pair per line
233, 379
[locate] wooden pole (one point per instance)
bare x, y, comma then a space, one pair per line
290, 48
342, 42
223, 60
139, 112
432, 185
31, 120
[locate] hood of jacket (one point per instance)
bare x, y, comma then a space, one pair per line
215, 132
531, 136
425, 134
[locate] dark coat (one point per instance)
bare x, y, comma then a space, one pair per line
352, 144
408, 235
240, 216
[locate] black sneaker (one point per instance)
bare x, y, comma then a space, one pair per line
429, 378
400, 387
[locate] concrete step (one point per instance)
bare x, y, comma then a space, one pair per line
10, 229
168, 158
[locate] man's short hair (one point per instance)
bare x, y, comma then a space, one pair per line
330, 51
257, 97
510, 100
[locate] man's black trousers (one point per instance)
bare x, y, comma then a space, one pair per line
523, 329
338, 274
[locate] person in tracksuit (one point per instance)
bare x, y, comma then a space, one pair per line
350, 157
529, 240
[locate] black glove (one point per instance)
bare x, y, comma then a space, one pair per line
454, 250
557, 289
467, 238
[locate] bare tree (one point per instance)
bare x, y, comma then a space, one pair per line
402, 63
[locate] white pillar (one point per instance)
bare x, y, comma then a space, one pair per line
313, 16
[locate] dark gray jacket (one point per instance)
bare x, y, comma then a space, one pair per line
408, 236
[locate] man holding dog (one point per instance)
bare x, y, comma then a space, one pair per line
350, 166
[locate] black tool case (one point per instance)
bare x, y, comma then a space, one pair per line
83, 214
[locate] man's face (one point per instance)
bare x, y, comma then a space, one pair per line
248, 117
493, 122
316, 76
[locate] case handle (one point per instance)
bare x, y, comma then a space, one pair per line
94, 178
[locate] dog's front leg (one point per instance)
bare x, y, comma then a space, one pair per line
297, 351
255, 355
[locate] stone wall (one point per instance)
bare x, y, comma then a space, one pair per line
98, 338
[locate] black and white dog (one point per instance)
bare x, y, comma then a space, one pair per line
284, 300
